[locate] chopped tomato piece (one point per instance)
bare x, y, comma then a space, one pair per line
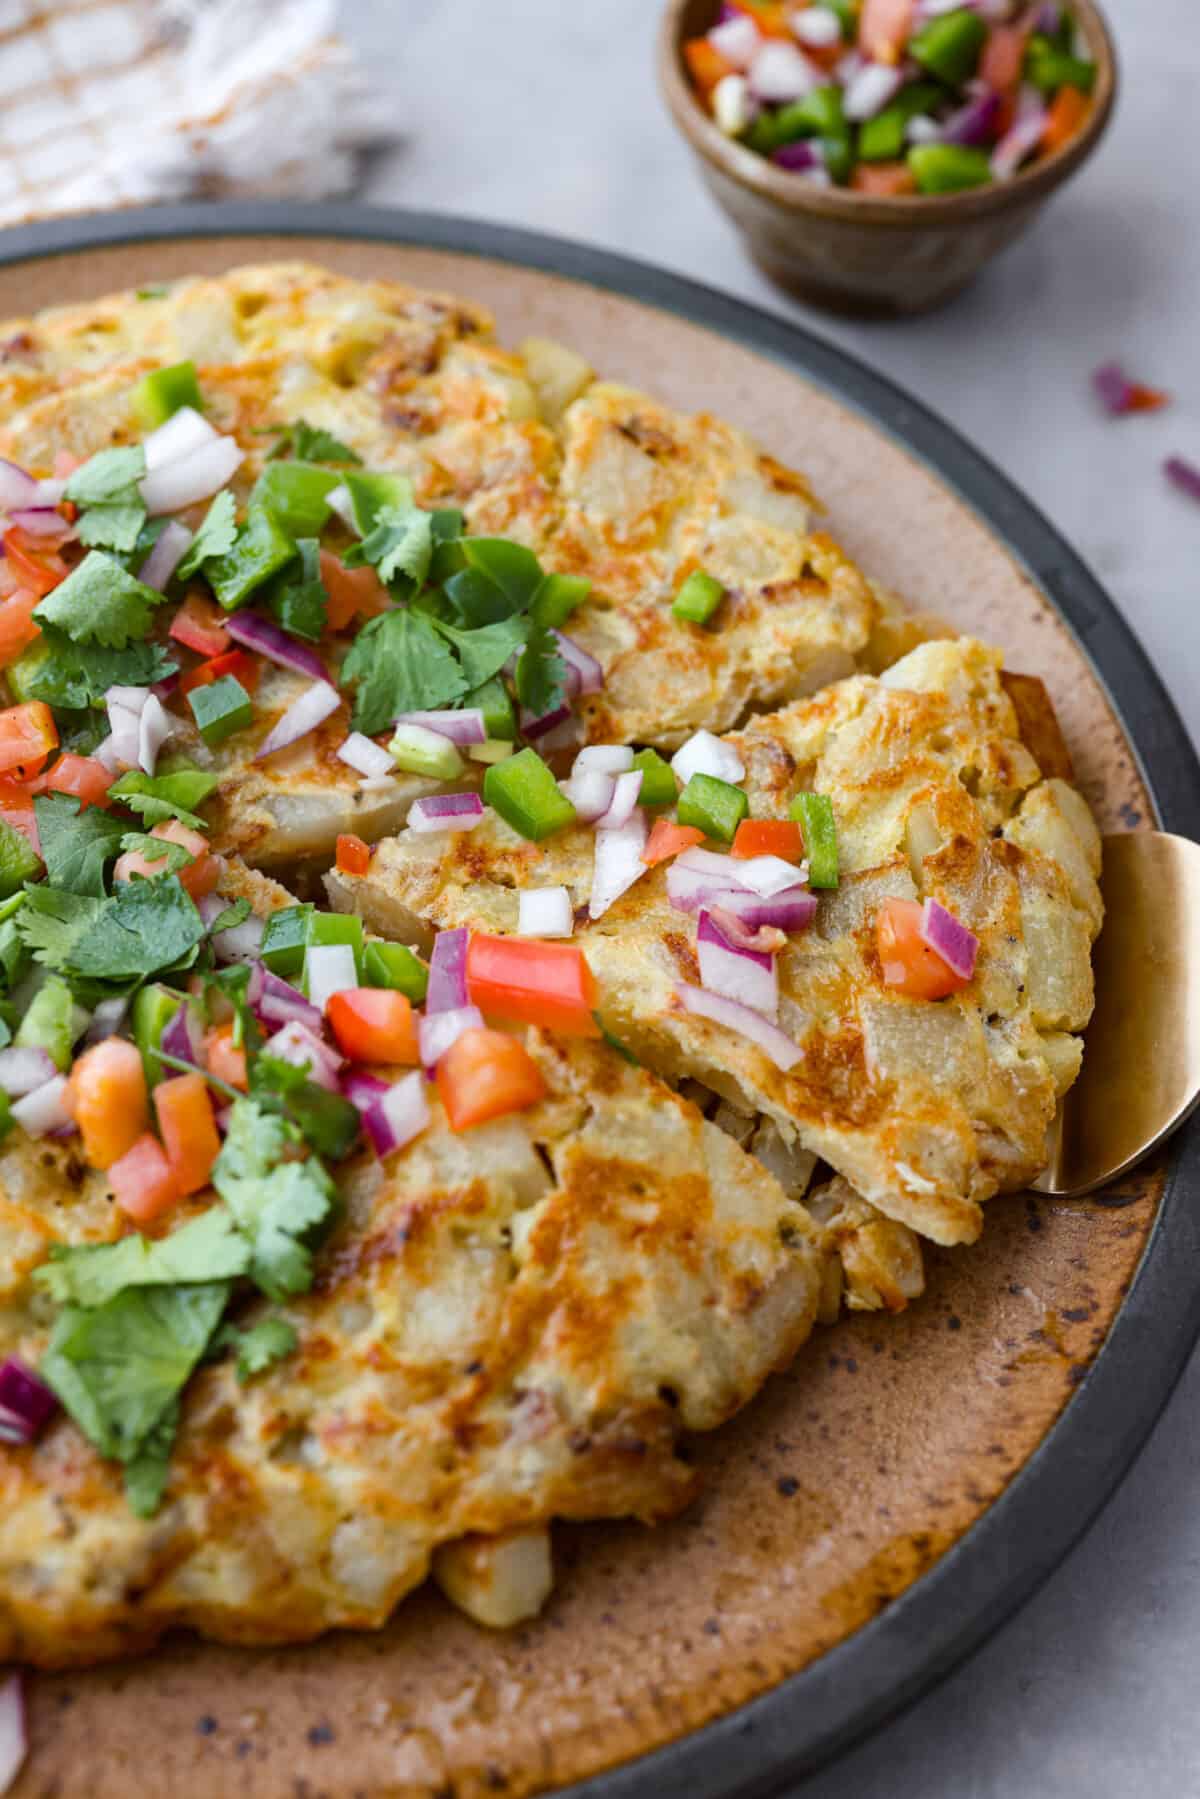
199, 876
351, 591
706, 65
18, 627
223, 1059
768, 837
883, 179
1066, 115
33, 561
883, 28
668, 839
83, 776
198, 625
108, 1098
906, 962
771, 19
16, 809
189, 1130
243, 667
521, 980
27, 736
374, 1024
1003, 57
485, 1074
353, 855
142, 1181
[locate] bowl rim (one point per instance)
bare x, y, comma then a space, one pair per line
749, 170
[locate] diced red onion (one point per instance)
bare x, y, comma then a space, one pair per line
172, 544
312, 708
447, 988
14, 1736
255, 632
792, 910
590, 791
16, 487
773, 1042
803, 157
43, 521
338, 499
704, 754
239, 942
107, 1019
1048, 19
155, 725
609, 758
581, 663
462, 728
534, 727
766, 939
437, 1031
1113, 387
870, 90
302, 1048
276, 1001
1018, 142
398, 1116
26, 1404
45, 1109
50, 490
748, 976
626, 789
564, 736
818, 27
329, 968
737, 40
21, 1070
362, 1089
949, 938
367, 756
446, 812
1184, 475
185, 432
700, 878
974, 123
182, 1036
618, 863
779, 73
187, 479
544, 912
764, 875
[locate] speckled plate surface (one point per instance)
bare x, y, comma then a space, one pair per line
885, 1504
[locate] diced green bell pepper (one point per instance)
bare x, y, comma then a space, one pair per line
163, 391
557, 597
819, 114
527, 797
698, 598
294, 493
6, 1117
393, 965
153, 1009
262, 547
493, 700
220, 709
422, 752
881, 139
284, 939
659, 786
716, 807
1050, 67
18, 860
492, 749
21, 673
49, 1022
813, 812
948, 168
371, 491
847, 12
950, 46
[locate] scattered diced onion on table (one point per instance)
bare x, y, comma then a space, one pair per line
1184, 475
1119, 395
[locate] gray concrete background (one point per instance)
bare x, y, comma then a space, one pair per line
545, 114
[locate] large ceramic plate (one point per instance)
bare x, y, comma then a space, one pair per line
885, 1504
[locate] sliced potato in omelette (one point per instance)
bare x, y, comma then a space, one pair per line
507, 1326
926, 1109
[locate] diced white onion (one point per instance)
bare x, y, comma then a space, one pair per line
187, 479
174, 540
45, 1109
329, 968
294, 1043
398, 1115
870, 90
24, 1070
436, 1031
779, 73
618, 863
704, 754
183, 433
545, 912
818, 27
125, 706
304, 714
154, 727
590, 792
339, 499
240, 942
923, 130
731, 105
368, 757
626, 789
767, 875
737, 40
609, 758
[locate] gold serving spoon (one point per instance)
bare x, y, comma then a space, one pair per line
1141, 1055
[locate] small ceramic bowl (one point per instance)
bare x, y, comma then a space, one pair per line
854, 252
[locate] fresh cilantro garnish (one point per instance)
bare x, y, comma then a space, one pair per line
172, 795
76, 845
72, 677
278, 1205
209, 1248
14, 956
173, 856
399, 544
146, 926
215, 536
541, 678
400, 664
257, 1348
308, 443
111, 527
261, 547
234, 914
147, 1472
106, 490
51, 922
297, 594
326, 1121
100, 602
233, 982
484, 652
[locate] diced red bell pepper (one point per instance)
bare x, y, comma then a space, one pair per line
224, 1060
768, 837
883, 29
525, 981
33, 560
353, 855
18, 627
486, 1074
351, 592
189, 1130
906, 962
243, 667
668, 839
198, 626
107, 1089
198, 877
84, 776
1069, 109
706, 65
142, 1182
27, 736
374, 1024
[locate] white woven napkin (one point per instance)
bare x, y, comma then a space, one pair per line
121, 102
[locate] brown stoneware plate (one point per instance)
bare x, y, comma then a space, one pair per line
885, 1504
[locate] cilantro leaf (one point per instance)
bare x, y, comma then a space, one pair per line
257, 1348
541, 679
309, 443
234, 914
146, 926
297, 594
278, 1205
159, 797
215, 536
51, 923
399, 543
400, 664
173, 856
511, 567
71, 677
76, 845
372, 492
208, 1248
100, 602
484, 652
118, 1367
110, 475
326, 1121
146, 1474
112, 527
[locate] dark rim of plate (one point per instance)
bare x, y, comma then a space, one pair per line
1000, 1561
